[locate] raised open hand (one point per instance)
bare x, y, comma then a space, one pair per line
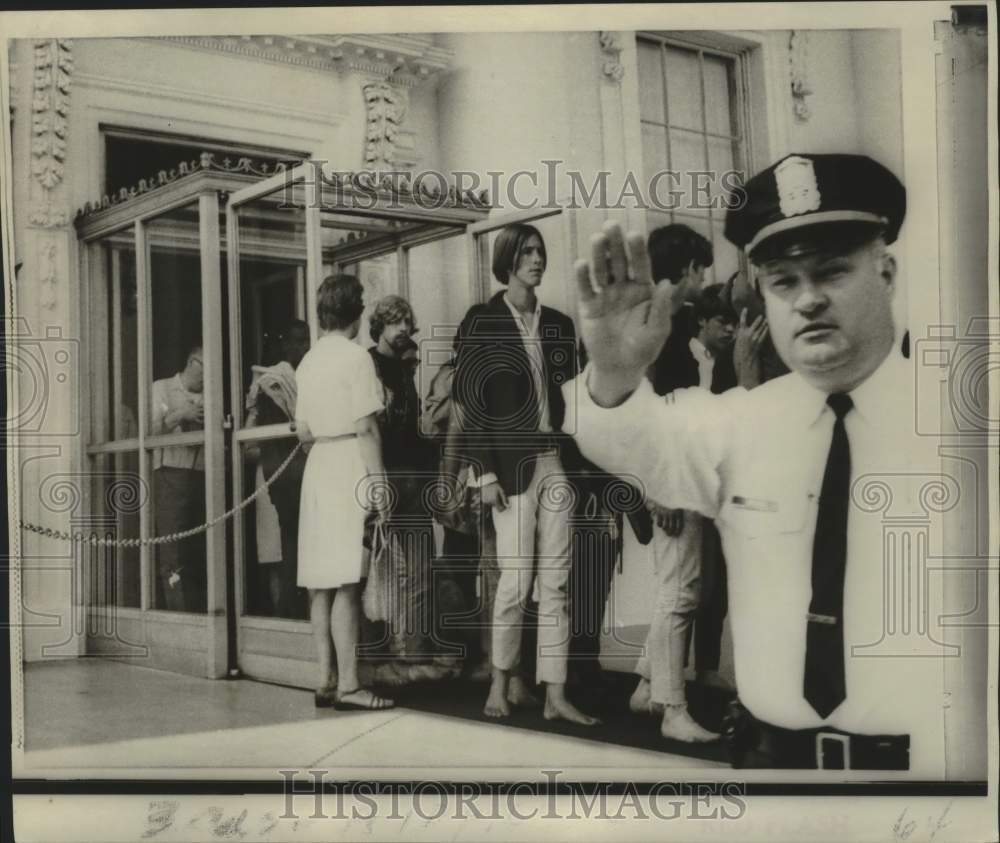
624, 316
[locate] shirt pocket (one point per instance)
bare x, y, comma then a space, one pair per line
765, 514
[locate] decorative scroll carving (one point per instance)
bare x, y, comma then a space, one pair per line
386, 107
45, 213
612, 46
50, 110
48, 251
798, 65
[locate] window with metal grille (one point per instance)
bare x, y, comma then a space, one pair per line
692, 110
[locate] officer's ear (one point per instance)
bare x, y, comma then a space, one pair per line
887, 269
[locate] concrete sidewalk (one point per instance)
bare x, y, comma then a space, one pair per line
104, 719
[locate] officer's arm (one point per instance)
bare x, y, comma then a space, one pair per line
671, 450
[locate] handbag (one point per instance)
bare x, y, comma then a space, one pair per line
375, 597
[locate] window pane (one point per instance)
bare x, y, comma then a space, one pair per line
174, 274
688, 158
117, 496
176, 407
440, 294
650, 82
654, 150
363, 247
272, 245
727, 256
720, 159
683, 88
719, 95
271, 531
115, 332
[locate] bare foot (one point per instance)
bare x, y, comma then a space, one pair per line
496, 702
519, 694
641, 701
557, 707
678, 725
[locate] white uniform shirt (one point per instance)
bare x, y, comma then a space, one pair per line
754, 461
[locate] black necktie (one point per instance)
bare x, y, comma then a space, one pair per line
825, 686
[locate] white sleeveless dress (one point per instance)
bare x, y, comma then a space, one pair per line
337, 386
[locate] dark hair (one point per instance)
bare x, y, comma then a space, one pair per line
388, 311
508, 246
295, 325
673, 247
339, 302
712, 302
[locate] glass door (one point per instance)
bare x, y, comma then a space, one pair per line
152, 280
284, 236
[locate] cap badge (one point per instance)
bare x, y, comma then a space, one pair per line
798, 192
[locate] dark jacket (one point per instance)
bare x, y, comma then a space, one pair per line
677, 368
495, 390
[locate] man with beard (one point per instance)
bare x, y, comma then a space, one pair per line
409, 460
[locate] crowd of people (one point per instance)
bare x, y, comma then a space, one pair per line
484, 455
710, 417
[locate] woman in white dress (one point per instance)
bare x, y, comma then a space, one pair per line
338, 397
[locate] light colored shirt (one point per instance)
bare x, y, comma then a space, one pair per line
169, 394
754, 461
531, 339
706, 362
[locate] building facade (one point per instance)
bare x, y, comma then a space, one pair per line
154, 213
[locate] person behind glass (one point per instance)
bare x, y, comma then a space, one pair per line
179, 486
409, 465
272, 400
338, 399
508, 384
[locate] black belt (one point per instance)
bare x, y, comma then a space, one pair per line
812, 749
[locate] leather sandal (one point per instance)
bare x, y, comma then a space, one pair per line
368, 701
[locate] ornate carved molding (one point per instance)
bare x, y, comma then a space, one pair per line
612, 46
407, 59
48, 251
44, 213
206, 161
50, 110
389, 184
798, 69
386, 108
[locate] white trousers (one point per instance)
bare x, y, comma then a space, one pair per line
533, 542
677, 568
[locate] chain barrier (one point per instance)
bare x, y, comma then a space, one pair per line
79, 536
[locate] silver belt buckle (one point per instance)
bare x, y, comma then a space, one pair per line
845, 740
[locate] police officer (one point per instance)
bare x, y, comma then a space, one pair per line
785, 469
